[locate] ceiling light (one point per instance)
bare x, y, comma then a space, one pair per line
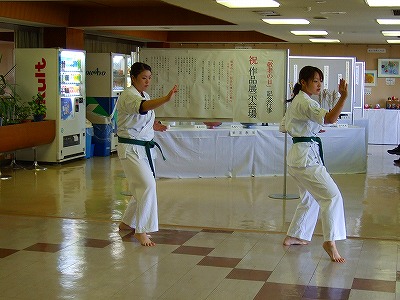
324, 40
332, 12
286, 21
382, 3
309, 32
391, 32
248, 3
388, 21
393, 41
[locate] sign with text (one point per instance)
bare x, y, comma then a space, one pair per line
242, 85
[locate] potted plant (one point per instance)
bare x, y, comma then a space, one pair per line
22, 112
38, 107
12, 109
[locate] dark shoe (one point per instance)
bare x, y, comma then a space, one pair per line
395, 150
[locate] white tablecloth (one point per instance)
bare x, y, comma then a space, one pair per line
383, 126
215, 153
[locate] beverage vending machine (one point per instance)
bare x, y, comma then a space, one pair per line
106, 78
59, 76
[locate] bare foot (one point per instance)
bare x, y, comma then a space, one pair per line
123, 226
144, 239
330, 248
289, 240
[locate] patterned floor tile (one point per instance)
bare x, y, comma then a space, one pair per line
219, 262
191, 250
317, 292
44, 247
6, 252
247, 274
217, 231
374, 285
280, 291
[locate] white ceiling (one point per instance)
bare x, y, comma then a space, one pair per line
350, 21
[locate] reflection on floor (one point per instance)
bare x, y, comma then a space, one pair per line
220, 238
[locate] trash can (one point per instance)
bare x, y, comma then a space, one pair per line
89, 145
102, 139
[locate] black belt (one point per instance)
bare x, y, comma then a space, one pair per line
147, 145
300, 139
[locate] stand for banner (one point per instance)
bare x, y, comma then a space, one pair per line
284, 195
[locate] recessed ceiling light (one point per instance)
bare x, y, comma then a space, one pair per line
332, 12
393, 41
309, 32
391, 32
382, 3
248, 3
388, 21
320, 18
286, 21
324, 40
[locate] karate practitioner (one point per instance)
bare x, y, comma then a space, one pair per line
318, 192
136, 152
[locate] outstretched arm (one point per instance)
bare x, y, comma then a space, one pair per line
154, 103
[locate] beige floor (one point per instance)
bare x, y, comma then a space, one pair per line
45, 216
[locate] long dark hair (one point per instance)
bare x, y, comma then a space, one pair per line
306, 73
137, 68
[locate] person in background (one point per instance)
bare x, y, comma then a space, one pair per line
395, 151
319, 194
136, 119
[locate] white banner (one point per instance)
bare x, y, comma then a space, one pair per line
243, 85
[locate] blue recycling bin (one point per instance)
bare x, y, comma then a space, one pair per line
102, 139
89, 145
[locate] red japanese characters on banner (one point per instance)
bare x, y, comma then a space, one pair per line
252, 90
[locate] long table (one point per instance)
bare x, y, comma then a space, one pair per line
194, 153
383, 126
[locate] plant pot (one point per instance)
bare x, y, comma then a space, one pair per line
26, 135
38, 118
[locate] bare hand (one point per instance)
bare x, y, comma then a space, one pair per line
172, 92
343, 88
157, 126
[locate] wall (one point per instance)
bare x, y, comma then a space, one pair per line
7, 61
379, 93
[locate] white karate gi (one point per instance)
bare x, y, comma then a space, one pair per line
318, 191
141, 212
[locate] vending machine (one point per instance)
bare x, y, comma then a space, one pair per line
106, 78
59, 76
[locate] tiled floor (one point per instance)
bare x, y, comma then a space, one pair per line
220, 238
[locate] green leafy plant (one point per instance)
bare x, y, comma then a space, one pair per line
22, 112
38, 105
12, 109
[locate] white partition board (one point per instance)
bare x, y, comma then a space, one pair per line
333, 68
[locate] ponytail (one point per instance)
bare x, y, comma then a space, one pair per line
296, 90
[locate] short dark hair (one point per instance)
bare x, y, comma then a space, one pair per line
139, 67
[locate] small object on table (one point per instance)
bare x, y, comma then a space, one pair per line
211, 125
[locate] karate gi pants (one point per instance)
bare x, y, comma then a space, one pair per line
319, 194
141, 212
